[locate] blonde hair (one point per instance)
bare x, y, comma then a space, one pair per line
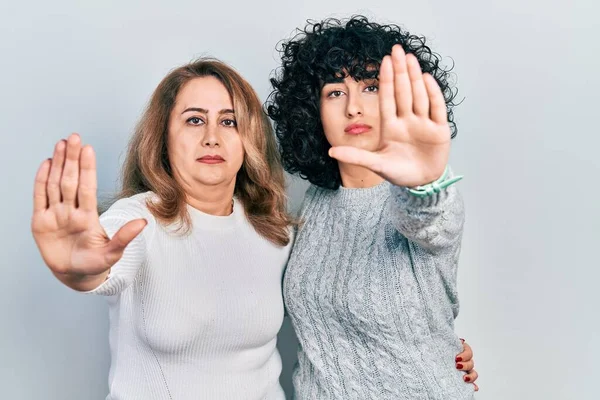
260, 182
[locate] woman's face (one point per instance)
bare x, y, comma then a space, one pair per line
203, 143
350, 113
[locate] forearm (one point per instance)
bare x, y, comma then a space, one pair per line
434, 221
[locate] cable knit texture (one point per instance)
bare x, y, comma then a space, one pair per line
371, 290
194, 316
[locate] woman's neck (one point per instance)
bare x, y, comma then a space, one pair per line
213, 200
354, 176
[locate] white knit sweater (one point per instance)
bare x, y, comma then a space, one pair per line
194, 316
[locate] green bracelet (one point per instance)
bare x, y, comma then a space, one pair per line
435, 187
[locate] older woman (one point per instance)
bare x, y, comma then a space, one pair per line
192, 254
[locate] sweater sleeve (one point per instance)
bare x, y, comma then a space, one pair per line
124, 272
434, 222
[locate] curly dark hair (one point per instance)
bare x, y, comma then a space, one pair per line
320, 53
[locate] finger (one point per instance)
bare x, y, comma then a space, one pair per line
402, 89
53, 186
476, 387
87, 192
352, 155
40, 197
122, 238
466, 354
420, 98
471, 376
70, 175
387, 101
465, 365
437, 104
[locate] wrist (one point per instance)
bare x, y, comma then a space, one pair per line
83, 283
436, 186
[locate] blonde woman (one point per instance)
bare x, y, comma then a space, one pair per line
192, 254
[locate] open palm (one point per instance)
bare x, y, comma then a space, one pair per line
415, 135
65, 222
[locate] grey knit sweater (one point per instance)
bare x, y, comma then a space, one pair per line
371, 291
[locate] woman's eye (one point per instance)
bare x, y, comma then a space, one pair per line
372, 88
335, 93
229, 123
195, 121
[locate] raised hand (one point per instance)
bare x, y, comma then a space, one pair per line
415, 135
65, 222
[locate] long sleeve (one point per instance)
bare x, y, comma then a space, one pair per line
433, 222
124, 272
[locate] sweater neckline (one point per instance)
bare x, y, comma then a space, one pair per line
204, 221
350, 196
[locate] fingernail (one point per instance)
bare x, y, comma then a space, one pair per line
462, 340
459, 366
458, 359
467, 379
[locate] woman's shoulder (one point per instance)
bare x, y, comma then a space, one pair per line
317, 193
135, 206
314, 198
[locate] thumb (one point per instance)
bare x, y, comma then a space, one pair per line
352, 155
123, 237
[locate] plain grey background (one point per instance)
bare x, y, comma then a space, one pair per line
528, 143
